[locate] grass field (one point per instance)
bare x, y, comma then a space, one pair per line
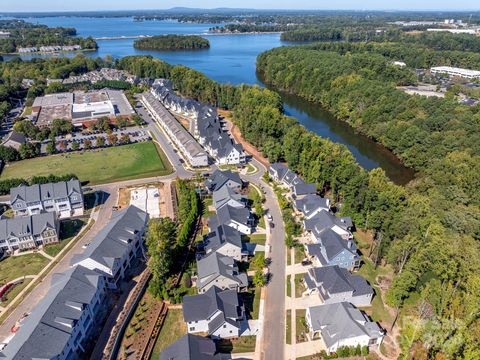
288, 327
238, 345
173, 329
299, 288
17, 266
96, 166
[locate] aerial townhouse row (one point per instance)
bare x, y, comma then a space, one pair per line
218, 310
336, 320
195, 155
37, 210
206, 126
64, 324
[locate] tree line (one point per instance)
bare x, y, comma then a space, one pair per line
33, 35
167, 243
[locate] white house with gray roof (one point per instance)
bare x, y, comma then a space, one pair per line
324, 220
228, 196
341, 324
28, 232
226, 241
218, 270
277, 171
219, 178
310, 205
217, 312
331, 249
335, 284
240, 219
115, 247
193, 347
64, 197
59, 326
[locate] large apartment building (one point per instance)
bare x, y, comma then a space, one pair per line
64, 197
114, 248
28, 232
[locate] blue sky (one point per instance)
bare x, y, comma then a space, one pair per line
63, 5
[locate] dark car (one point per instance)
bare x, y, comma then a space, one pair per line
306, 262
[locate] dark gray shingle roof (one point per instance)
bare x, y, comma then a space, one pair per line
193, 347
342, 321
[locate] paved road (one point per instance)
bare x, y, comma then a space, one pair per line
274, 320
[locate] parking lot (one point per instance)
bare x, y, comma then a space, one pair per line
65, 142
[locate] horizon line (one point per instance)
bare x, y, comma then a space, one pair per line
240, 9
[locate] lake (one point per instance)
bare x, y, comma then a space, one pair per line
230, 58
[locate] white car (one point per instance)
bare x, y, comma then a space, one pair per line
269, 217
85, 245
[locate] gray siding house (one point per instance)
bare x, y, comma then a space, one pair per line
28, 232
334, 284
64, 197
331, 249
221, 271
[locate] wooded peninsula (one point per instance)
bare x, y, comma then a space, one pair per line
172, 42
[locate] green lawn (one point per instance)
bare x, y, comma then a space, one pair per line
95, 166
299, 253
288, 328
289, 286
251, 299
173, 329
17, 266
239, 345
259, 239
378, 311
301, 325
299, 288
68, 230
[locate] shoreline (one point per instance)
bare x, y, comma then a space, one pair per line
48, 52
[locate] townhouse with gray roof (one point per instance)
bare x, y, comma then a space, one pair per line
324, 220
114, 248
60, 325
330, 249
310, 205
225, 241
334, 284
301, 188
219, 178
195, 155
227, 196
240, 219
217, 312
28, 232
341, 324
65, 198
206, 125
218, 270
15, 140
193, 347
277, 171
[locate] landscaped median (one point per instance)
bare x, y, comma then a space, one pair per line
98, 166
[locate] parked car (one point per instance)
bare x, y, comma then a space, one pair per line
269, 217
306, 262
